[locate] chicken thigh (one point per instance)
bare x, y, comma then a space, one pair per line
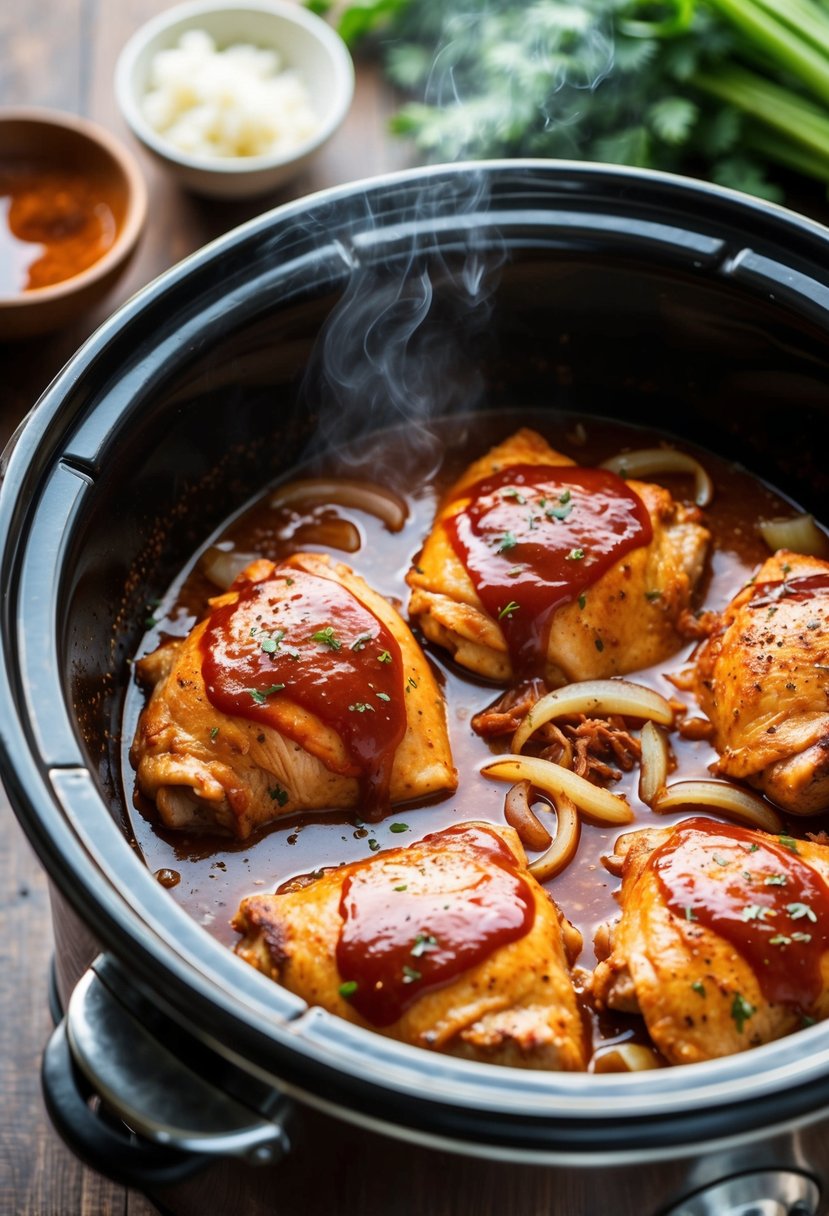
723, 938
536, 567
763, 680
302, 689
448, 944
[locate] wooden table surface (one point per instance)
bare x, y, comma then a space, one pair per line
61, 54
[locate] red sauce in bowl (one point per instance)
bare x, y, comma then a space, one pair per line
56, 224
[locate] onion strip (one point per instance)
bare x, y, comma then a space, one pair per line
563, 849
654, 764
594, 697
520, 815
596, 802
797, 533
625, 1057
646, 461
384, 504
223, 566
722, 796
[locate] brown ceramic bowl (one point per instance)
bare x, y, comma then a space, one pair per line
45, 141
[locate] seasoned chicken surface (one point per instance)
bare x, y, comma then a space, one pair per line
723, 938
448, 944
763, 680
626, 619
302, 689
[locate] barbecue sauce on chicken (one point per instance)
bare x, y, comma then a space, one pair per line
756, 893
533, 537
804, 587
405, 931
299, 638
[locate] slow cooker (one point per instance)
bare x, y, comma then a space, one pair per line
436, 292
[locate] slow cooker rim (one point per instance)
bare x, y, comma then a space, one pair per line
116, 932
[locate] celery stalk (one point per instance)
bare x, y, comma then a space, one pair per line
785, 47
803, 17
770, 145
771, 104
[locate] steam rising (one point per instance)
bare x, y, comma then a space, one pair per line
405, 343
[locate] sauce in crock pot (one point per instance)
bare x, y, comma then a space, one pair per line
209, 875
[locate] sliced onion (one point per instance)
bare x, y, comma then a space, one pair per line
563, 849
339, 534
646, 461
222, 566
625, 1057
654, 765
345, 492
721, 796
598, 803
594, 698
520, 815
797, 533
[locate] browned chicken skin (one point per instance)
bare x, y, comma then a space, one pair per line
701, 995
514, 1004
207, 769
763, 680
629, 619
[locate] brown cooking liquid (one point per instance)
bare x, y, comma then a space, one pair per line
757, 894
309, 638
217, 873
57, 223
403, 935
532, 537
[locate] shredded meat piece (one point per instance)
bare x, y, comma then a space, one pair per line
696, 625
597, 746
506, 714
591, 747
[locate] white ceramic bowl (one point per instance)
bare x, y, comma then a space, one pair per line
305, 43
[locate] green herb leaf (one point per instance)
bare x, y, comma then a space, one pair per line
508, 610
410, 976
398, 827
741, 1011
423, 944
260, 695
384, 657
327, 637
798, 910
348, 988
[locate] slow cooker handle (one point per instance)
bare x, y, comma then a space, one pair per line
157, 1120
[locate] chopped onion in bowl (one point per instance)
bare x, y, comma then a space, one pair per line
384, 504
595, 697
563, 848
646, 461
654, 766
721, 796
625, 1057
594, 801
797, 533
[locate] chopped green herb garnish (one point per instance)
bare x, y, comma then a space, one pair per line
327, 637
801, 937
741, 1011
360, 707
582, 600
779, 939
506, 542
516, 496
384, 657
788, 842
398, 827
560, 513
698, 987
798, 911
404, 886
565, 496
721, 861
348, 988
383, 696
374, 845
361, 642
278, 794
775, 880
260, 696
807, 1021
757, 912
689, 913
423, 943
575, 555
653, 595
214, 732
410, 975
508, 610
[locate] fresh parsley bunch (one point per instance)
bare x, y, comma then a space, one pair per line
717, 87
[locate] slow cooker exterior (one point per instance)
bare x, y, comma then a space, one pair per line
606, 291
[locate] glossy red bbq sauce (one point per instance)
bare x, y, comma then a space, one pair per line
534, 537
412, 921
306, 638
803, 587
758, 894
